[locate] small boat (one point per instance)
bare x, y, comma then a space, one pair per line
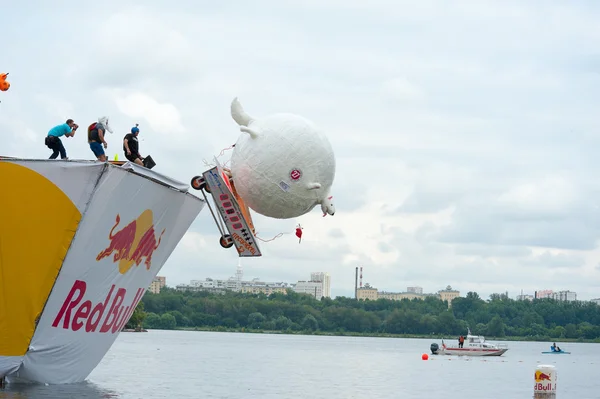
555, 352
474, 345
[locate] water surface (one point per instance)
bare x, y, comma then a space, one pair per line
189, 364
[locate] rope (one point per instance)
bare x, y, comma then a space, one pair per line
277, 236
208, 164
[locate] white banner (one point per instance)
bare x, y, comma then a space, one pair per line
128, 231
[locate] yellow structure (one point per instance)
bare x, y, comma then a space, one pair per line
157, 284
448, 295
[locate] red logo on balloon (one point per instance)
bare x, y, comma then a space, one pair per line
295, 174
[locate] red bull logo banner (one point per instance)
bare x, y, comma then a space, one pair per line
129, 227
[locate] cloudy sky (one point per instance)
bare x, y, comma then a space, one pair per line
466, 133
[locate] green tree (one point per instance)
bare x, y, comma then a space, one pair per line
256, 319
152, 320
282, 323
539, 319
136, 321
495, 327
179, 318
168, 322
571, 331
557, 332
310, 323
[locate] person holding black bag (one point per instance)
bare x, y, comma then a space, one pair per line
131, 146
53, 141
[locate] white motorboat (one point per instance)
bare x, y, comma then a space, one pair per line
474, 345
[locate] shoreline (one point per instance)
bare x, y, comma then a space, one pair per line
436, 337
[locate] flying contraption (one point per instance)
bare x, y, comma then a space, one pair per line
282, 167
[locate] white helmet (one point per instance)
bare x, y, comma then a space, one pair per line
103, 120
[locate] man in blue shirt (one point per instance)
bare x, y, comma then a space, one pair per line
53, 141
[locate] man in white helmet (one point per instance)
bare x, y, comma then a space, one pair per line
96, 137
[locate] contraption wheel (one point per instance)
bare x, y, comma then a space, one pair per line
198, 183
226, 241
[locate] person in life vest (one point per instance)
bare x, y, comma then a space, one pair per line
131, 146
96, 137
461, 341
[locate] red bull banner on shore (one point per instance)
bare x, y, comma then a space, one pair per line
81, 243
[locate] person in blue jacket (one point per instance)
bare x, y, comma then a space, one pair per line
53, 141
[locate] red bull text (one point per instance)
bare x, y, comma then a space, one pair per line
76, 314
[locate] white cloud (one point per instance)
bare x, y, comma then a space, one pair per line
161, 117
465, 132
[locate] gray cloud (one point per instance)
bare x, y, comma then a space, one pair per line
458, 155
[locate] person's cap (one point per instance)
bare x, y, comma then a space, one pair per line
135, 129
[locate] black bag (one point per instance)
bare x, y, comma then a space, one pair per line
51, 141
149, 162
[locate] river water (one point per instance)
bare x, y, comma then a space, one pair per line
190, 364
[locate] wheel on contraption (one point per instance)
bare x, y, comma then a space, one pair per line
226, 241
198, 183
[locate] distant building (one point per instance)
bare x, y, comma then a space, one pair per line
543, 294
371, 293
564, 296
157, 284
596, 301
397, 296
525, 297
558, 295
367, 292
314, 288
415, 290
448, 295
325, 279
318, 286
257, 287
236, 285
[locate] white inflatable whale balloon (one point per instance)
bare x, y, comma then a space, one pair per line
282, 165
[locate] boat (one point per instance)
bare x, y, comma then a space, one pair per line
555, 352
474, 345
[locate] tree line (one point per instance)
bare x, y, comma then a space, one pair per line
498, 317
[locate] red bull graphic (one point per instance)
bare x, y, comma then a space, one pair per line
543, 382
133, 242
539, 376
76, 314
